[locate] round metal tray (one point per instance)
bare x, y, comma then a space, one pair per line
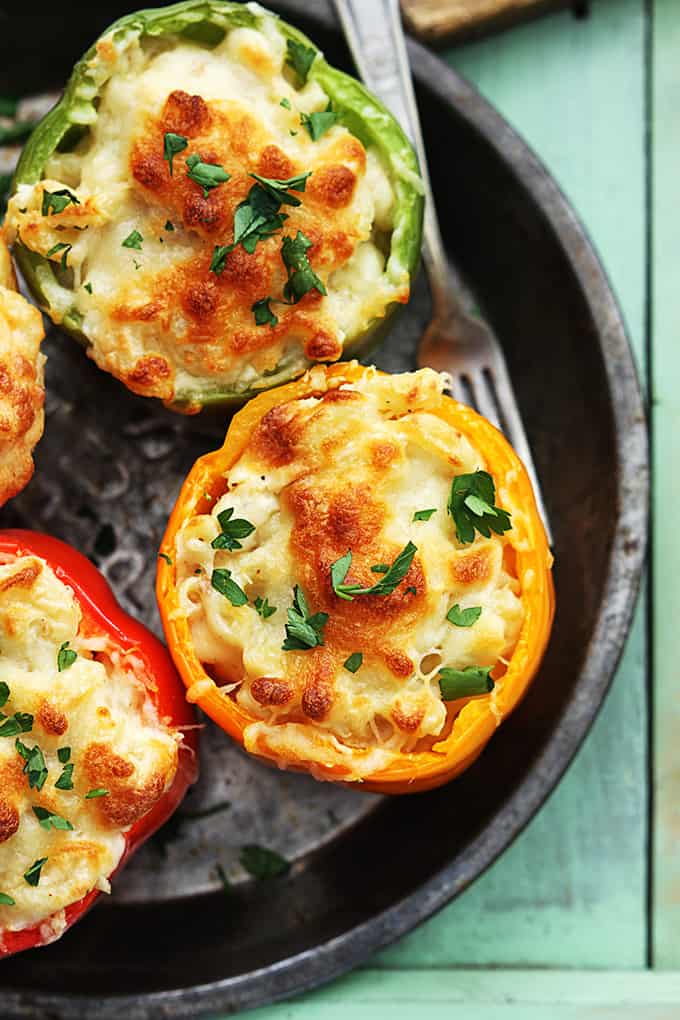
365, 870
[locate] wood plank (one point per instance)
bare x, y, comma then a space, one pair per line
572, 890
666, 454
436, 20
493, 995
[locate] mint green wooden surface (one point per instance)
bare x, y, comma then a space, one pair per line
666, 453
571, 893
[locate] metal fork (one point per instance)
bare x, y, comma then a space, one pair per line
454, 341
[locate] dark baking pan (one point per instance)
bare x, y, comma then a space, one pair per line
365, 870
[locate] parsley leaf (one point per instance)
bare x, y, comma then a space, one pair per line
317, 124
98, 792
353, 663
4, 693
301, 276
279, 189
424, 515
302, 630
65, 248
463, 617
471, 505
56, 201
172, 144
32, 876
63, 754
263, 608
49, 820
65, 657
300, 58
385, 586
380, 568
34, 764
168, 225
133, 240
264, 316
465, 683
88, 287
65, 780
6, 901
207, 175
285, 103
262, 863
233, 528
164, 556
222, 582
20, 722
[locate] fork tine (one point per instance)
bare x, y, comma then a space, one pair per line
484, 399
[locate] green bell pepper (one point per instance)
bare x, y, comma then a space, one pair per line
206, 22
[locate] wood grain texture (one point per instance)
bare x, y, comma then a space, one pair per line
666, 456
436, 20
488, 995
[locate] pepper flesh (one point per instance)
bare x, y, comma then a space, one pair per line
413, 771
355, 108
101, 614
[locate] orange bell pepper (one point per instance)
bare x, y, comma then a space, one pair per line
472, 721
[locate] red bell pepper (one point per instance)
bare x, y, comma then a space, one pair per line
101, 614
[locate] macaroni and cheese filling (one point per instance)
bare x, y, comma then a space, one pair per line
216, 224
83, 754
353, 583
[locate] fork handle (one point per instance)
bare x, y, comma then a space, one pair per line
376, 40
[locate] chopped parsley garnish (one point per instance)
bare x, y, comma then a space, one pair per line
34, 764
285, 103
88, 287
264, 316
380, 568
4, 693
317, 124
169, 226
56, 201
6, 901
207, 175
263, 608
300, 58
262, 863
233, 528
133, 240
424, 515
223, 582
463, 617
164, 556
65, 249
465, 683
65, 780
49, 820
224, 879
63, 754
98, 792
279, 189
20, 722
32, 876
471, 504
303, 631
353, 663
172, 144
385, 586
301, 276
65, 657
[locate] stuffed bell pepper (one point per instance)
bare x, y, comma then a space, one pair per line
96, 741
357, 584
212, 207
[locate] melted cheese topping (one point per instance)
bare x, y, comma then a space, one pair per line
347, 469
22, 391
158, 318
98, 709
